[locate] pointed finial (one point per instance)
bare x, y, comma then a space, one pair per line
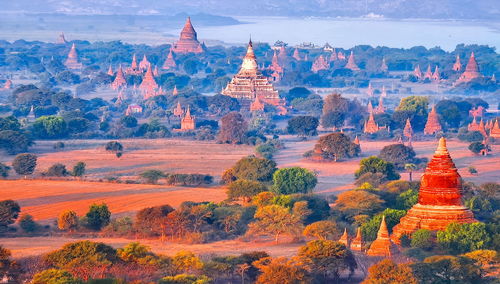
441, 149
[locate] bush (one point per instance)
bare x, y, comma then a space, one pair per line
27, 223
476, 147
152, 176
67, 220
245, 188
4, 170
422, 239
24, 164
57, 170
58, 145
98, 216
188, 179
293, 180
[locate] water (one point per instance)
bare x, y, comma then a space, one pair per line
347, 33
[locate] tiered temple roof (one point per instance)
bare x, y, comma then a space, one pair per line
432, 126
144, 64
351, 63
471, 70
418, 73
175, 92
439, 198
277, 70
457, 66
370, 125
428, 73
333, 56
149, 87
474, 126
382, 246
178, 111
134, 67
495, 129
320, 64
249, 83
188, 41
170, 61
72, 61
119, 81
380, 108
188, 121
436, 76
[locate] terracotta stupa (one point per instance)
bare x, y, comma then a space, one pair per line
72, 60
357, 243
178, 111
144, 64
370, 125
257, 105
188, 41
495, 129
432, 126
380, 108
382, 246
471, 70
170, 62
320, 64
134, 67
296, 55
418, 73
457, 66
439, 198
474, 126
351, 63
188, 121
110, 71
149, 87
276, 69
344, 239
408, 130
436, 76
370, 91
428, 73
119, 81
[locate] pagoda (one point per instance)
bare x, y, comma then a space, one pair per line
428, 73
436, 76
417, 73
439, 198
8, 85
119, 81
110, 71
382, 246
471, 70
357, 243
384, 68
149, 87
474, 126
432, 126
369, 107
120, 98
188, 41
340, 55
31, 115
351, 63
178, 111
282, 54
384, 92
369, 91
133, 109
408, 130
72, 60
457, 66
296, 55
188, 121
134, 67
333, 56
144, 64
495, 130
380, 108
370, 125
277, 70
257, 105
249, 83
61, 39
344, 239
170, 61
320, 64
327, 47
175, 92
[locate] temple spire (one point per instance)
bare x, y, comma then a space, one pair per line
351, 63
382, 246
432, 126
344, 239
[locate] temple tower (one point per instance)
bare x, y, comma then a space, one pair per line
418, 73
351, 63
72, 60
170, 63
149, 86
188, 41
408, 130
320, 64
144, 64
296, 55
471, 70
457, 66
110, 71
344, 239
119, 81
370, 125
432, 126
188, 121
357, 243
382, 246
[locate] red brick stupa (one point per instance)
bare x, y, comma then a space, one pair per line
72, 61
296, 55
276, 69
8, 85
249, 83
432, 126
351, 63
382, 246
357, 243
457, 66
119, 81
439, 198
257, 105
417, 72
144, 64
134, 67
428, 73
471, 70
320, 64
170, 62
110, 71
495, 130
344, 239
370, 125
188, 121
149, 87
188, 41
408, 130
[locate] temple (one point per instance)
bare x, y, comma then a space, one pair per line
408, 130
474, 126
457, 66
383, 94
8, 85
61, 39
249, 83
257, 105
178, 111
370, 125
436, 76
119, 81
72, 60
170, 62
276, 69
380, 108
149, 87
439, 198
357, 243
110, 71
432, 126
495, 129
351, 63
471, 70
428, 73
296, 55
382, 246
369, 91
344, 239
144, 64
188, 121
188, 41
418, 73
320, 64
134, 67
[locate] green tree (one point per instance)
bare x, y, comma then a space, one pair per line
27, 223
49, 127
114, 146
98, 216
422, 239
415, 104
358, 202
67, 220
129, 121
303, 125
4, 170
376, 165
24, 164
252, 168
57, 170
323, 230
245, 189
133, 252
150, 221
476, 147
275, 220
409, 167
14, 142
293, 180
152, 176
327, 259
53, 276
407, 199
370, 228
281, 270
185, 279
444, 269
462, 238
337, 146
397, 154
9, 211
79, 169
388, 272
186, 262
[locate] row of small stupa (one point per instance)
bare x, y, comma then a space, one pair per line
489, 129
439, 204
471, 71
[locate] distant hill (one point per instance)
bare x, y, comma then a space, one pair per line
437, 9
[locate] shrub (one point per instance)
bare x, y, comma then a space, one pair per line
422, 239
188, 179
57, 170
67, 220
98, 216
293, 180
152, 176
27, 223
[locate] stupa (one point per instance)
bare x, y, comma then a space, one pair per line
170, 62
344, 239
296, 55
436, 76
383, 67
418, 73
471, 70
144, 64
156, 72
8, 85
432, 126
320, 64
282, 55
370, 125
408, 130
380, 108
134, 67
119, 81
495, 130
369, 107
110, 71
382, 246
351, 63
257, 105
178, 111
175, 92
357, 243
188, 41
340, 55
474, 126
457, 66
277, 70
61, 39
149, 87
72, 60
383, 94
428, 73
249, 83
188, 121
369, 91
439, 198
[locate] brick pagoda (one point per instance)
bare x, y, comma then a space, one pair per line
471, 70
188, 41
351, 63
382, 246
72, 60
432, 126
320, 64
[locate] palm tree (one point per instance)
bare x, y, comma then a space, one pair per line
410, 168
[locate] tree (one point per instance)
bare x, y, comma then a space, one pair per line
388, 272
323, 230
9, 268
356, 202
9, 211
397, 154
187, 262
327, 259
129, 121
49, 127
293, 180
114, 146
220, 104
14, 142
333, 119
233, 128
185, 279
27, 223
422, 239
275, 220
79, 169
377, 165
78, 125
133, 251
98, 216
67, 220
253, 168
415, 104
24, 164
4, 170
409, 167
57, 170
476, 147
461, 238
150, 221
152, 176
443, 269
337, 146
245, 188
53, 276
392, 216
280, 270
303, 125
484, 258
